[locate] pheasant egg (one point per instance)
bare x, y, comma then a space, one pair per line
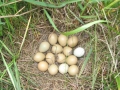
63, 68
50, 58
79, 52
62, 39
67, 50
53, 69
52, 38
39, 57
44, 46
71, 60
43, 66
73, 70
61, 58
57, 48
72, 41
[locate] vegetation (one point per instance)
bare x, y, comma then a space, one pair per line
24, 22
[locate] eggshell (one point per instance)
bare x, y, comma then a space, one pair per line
50, 58
57, 48
62, 39
52, 38
67, 50
61, 58
39, 57
79, 52
53, 69
73, 70
72, 41
44, 46
63, 68
43, 66
71, 60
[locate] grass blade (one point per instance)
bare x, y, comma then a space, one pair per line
45, 4
82, 28
6, 48
50, 20
4, 72
118, 81
85, 62
17, 76
87, 17
111, 4
25, 34
76, 17
9, 72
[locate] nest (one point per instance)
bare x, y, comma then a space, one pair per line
34, 79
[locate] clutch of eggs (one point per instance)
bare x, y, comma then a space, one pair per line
61, 53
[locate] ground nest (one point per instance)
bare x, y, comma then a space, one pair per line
35, 79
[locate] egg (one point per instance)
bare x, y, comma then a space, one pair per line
39, 57
52, 38
63, 68
73, 70
61, 58
44, 46
57, 48
67, 50
72, 41
53, 69
71, 60
50, 58
79, 52
62, 39
43, 66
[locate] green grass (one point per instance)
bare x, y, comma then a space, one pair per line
99, 18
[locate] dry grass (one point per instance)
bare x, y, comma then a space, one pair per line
43, 80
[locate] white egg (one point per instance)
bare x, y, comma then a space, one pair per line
63, 68
79, 52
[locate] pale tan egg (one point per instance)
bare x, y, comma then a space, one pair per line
57, 48
71, 60
72, 41
62, 39
61, 58
50, 58
52, 38
53, 69
67, 50
43, 66
39, 57
73, 70
44, 46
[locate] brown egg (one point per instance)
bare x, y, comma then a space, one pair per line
62, 39
44, 46
57, 48
43, 66
52, 38
67, 50
72, 41
61, 58
53, 69
50, 58
39, 57
71, 60
73, 70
